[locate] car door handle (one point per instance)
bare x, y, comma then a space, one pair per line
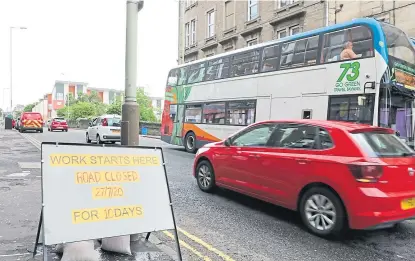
254, 156
302, 161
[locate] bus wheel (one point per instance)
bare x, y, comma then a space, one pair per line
190, 142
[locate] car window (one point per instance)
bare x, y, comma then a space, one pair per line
59, 120
255, 136
326, 142
377, 144
114, 122
32, 116
296, 136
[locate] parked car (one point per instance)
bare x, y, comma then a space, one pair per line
106, 128
57, 124
13, 123
31, 121
17, 124
337, 175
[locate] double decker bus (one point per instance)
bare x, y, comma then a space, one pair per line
307, 75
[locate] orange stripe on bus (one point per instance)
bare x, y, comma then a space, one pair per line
200, 134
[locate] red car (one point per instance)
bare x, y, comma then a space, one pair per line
337, 175
58, 124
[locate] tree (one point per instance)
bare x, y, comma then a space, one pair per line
29, 107
144, 102
146, 109
115, 107
82, 110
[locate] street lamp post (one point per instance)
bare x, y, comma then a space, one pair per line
11, 62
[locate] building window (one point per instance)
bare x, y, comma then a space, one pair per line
193, 32
187, 35
282, 34
229, 15
252, 42
214, 113
294, 30
284, 3
252, 9
189, 3
211, 23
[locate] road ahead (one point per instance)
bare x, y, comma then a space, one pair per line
229, 226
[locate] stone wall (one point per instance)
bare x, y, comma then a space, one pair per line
153, 128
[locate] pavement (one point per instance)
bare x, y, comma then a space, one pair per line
212, 227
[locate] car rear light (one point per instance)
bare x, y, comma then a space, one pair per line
366, 173
104, 122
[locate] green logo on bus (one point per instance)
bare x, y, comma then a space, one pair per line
348, 80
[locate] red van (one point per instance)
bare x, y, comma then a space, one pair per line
31, 121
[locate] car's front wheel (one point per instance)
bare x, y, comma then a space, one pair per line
205, 176
322, 212
99, 141
87, 139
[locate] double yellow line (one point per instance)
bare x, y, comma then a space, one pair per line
194, 238
200, 242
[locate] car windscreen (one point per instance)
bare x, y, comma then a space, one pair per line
115, 122
382, 145
59, 119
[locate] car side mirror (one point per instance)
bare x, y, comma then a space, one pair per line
227, 142
90, 124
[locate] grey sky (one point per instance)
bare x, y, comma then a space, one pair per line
85, 40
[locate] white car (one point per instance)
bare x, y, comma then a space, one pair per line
106, 128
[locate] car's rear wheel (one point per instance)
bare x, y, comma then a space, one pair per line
41, 131
88, 140
322, 212
66, 130
205, 176
190, 142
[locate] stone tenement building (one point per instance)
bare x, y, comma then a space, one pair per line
209, 27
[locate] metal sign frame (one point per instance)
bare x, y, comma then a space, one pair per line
41, 219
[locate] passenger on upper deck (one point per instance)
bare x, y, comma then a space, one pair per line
348, 52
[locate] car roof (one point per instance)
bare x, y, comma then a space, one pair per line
110, 116
346, 126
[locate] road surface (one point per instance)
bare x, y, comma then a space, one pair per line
229, 226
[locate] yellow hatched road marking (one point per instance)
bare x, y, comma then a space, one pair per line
184, 244
206, 245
